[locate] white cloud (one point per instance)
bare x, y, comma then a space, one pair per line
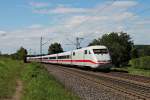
41, 11
124, 4
64, 10
61, 10
39, 4
3, 33
143, 22
75, 21
124, 16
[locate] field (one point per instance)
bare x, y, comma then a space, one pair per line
37, 83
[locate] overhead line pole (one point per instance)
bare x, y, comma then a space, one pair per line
78, 42
41, 48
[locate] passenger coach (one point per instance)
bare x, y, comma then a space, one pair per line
92, 56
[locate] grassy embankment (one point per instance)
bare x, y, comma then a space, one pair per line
9, 72
138, 66
37, 83
134, 71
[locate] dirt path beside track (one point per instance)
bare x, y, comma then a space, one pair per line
18, 93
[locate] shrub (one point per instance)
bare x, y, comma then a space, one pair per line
145, 62
142, 62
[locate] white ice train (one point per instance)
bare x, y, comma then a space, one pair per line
92, 56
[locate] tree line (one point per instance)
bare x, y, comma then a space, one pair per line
120, 45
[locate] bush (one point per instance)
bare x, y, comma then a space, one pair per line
145, 62
135, 62
142, 63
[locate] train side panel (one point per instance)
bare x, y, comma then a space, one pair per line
64, 58
89, 58
78, 57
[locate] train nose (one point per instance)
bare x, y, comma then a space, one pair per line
104, 61
104, 64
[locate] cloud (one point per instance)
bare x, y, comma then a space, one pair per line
65, 10
124, 16
39, 4
75, 21
3, 33
124, 4
143, 22
61, 10
92, 20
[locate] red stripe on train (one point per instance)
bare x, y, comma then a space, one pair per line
90, 61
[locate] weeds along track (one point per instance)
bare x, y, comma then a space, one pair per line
141, 79
123, 87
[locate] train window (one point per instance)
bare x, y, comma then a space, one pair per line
85, 52
100, 51
73, 53
64, 57
89, 52
52, 57
59, 57
68, 56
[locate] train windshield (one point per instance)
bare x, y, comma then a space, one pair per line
100, 51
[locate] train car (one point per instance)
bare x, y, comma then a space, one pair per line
92, 56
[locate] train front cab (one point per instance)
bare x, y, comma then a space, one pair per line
102, 58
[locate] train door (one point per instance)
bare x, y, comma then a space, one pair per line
87, 57
84, 57
79, 58
71, 57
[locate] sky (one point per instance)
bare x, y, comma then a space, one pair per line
23, 22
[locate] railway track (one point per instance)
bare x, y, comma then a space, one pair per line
128, 89
141, 79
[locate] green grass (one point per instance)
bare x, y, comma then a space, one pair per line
39, 85
141, 72
134, 71
9, 71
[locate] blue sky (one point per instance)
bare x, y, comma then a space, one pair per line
22, 22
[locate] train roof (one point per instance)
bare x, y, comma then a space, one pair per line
92, 47
96, 46
85, 48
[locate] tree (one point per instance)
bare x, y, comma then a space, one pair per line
143, 50
55, 48
134, 53
119, 45
20, 54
